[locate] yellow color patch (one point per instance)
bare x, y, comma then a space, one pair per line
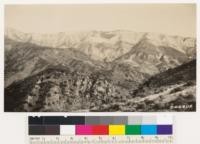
116, 129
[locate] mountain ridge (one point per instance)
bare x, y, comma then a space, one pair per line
101, 45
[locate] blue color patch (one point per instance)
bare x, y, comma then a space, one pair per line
148, 129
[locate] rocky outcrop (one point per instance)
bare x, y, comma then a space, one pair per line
60, 90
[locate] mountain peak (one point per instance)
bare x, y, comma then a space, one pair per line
100, 45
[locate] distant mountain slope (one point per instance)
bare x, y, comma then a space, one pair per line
104, 45
26, 59
151, 59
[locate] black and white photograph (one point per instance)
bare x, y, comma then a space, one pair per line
100, 58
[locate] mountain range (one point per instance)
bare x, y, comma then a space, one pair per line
74, 71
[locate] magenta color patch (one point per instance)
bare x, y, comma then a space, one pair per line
83, 130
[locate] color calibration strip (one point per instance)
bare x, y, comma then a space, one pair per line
100, 125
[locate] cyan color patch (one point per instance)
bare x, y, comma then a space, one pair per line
148, 129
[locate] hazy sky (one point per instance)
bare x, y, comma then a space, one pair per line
173, 19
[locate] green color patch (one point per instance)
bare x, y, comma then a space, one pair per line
133, 129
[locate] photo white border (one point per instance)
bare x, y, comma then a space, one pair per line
193, 116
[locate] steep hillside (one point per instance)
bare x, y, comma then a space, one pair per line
181, 74
143, 61
173, 89
151, 59
60, 89
127, 75
26, 59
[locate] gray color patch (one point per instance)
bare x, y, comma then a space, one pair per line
135, 120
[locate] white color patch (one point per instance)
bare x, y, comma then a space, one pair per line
165, 119
67, 129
